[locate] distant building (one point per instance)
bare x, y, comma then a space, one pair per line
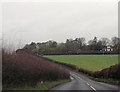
108, 48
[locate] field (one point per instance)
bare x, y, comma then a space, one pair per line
89, 62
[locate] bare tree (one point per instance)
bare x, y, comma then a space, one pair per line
115, 41
105, 41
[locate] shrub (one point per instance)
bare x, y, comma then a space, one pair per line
111, 72
90, 73
22, 68
73, 67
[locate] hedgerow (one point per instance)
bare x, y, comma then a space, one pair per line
19, 69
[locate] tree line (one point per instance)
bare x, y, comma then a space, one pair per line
75, 46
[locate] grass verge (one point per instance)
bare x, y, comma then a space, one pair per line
41, 86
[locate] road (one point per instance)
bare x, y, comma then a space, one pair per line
83, 83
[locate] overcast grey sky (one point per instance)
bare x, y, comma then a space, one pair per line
43, 21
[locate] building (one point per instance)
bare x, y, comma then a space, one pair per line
108, 48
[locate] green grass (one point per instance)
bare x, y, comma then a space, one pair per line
89, 62
39, 86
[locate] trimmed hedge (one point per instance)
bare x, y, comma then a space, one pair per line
111, 72
21, 69
64, 64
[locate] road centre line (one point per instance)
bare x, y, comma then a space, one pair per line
93, 88
80, 78
77, 76
88, 84
71, 78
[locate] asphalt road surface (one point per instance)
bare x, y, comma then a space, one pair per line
81, 82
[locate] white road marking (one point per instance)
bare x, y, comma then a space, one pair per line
88, 84
82, 79
76, 76
93, 88
71, 78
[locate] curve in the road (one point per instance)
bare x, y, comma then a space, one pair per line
83, 83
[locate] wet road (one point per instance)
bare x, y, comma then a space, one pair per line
81, 82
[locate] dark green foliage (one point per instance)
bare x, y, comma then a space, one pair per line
111, 72
74, 46
73, 67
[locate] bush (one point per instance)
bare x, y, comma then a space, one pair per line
22, 68
73, 67
90, 73
111, 72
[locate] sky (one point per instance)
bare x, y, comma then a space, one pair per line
24, 22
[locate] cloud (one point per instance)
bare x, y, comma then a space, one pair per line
59, 21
